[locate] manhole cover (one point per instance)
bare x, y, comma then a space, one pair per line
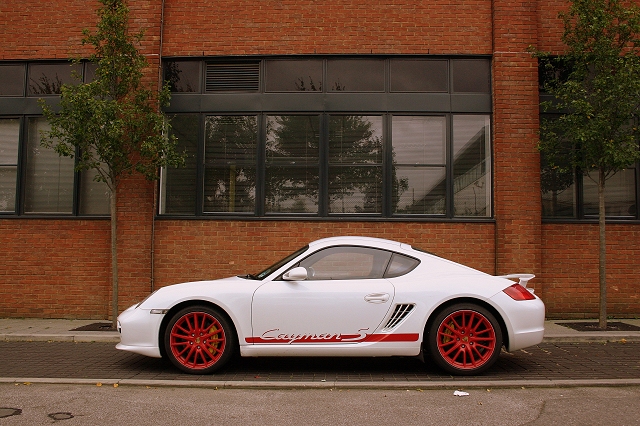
61, 416
594, 326
8, 412
96, 326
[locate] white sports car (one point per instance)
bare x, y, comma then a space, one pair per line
341, 296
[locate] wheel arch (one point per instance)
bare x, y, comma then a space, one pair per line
479, 302
185, 304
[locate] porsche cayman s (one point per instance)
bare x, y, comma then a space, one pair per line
340, 296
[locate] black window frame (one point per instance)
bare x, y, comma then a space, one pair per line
25, 108
326, 103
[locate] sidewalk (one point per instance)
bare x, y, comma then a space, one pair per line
63, 331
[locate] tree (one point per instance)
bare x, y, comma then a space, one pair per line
596, 89
113, 125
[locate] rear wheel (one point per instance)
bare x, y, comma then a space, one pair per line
199, 340
465, 339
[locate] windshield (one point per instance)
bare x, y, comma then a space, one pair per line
278, 264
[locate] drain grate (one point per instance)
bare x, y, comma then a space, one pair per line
8, 412
97, 326
594, 326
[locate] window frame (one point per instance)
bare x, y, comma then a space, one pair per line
25, 108
325, 103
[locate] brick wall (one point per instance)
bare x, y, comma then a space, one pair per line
570, 270
197, 250
246, 27
61, 267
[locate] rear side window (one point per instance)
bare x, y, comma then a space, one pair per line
400, 265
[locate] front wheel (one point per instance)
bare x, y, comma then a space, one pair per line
465, 339
199, 340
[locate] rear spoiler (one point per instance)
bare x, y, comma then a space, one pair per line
524, 278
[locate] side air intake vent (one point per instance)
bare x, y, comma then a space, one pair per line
399, 314
238, 77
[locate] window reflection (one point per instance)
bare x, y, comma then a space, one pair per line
294, 76
230, 164
12, 80
355, 75
49, 176
419, 164
9, 138
471, 165
178, 185
619, 194
47, 79
355, 164
182, 76
292, 164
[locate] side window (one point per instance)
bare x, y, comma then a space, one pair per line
400, 265
346, 263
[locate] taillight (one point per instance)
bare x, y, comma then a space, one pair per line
517, 292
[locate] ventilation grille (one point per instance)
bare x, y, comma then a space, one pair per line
239, 77
399, 314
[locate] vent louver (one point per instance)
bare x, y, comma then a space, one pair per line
238, 77
399, 314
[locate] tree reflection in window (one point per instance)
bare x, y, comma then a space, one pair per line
292, 164
230, 164
355, 164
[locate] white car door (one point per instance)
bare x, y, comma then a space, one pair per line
342, 300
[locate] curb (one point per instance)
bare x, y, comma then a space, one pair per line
414, 385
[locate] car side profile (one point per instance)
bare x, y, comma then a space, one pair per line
340, 296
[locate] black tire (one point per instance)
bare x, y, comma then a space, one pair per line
199, 340
464, 339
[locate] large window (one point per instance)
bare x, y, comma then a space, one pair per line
35, 179
367, 136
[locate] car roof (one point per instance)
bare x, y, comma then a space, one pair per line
359, 240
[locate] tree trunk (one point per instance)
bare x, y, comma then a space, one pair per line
114, 259
602, 253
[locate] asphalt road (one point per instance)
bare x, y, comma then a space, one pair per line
560, 363
41, 404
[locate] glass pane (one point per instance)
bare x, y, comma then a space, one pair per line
471, 165
183, 76
12, 80
346, 263
418, 75
355, 189
94, 196
292, 164
401, 265
355, 75
355, 139
419, 140
294, 76
8, 188
421, 190
49, 176
230, 163
9, 138
89, 71
619, 194
47, 79
560, 202
471, 75
355, 164
178, 185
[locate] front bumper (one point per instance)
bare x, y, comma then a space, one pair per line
139, 331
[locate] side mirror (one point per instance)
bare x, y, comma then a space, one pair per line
295, 274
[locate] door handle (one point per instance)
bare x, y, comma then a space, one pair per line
376, 297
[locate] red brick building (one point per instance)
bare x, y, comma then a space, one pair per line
402, 119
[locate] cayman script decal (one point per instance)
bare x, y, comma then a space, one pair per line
275, 336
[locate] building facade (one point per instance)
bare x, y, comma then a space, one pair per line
401, 119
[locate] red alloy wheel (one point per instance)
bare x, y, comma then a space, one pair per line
197, 341
467, 341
